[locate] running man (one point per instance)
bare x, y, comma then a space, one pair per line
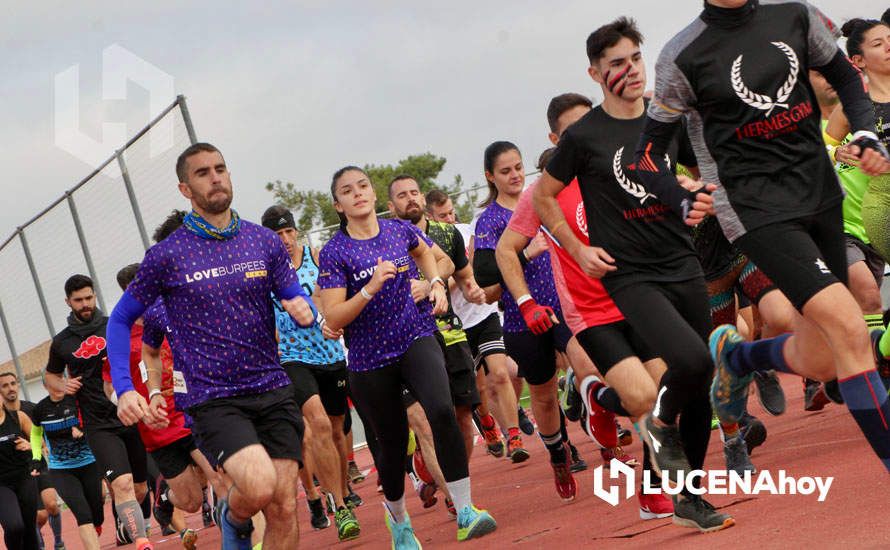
365, 272
238, 395
72, 467
80, 349
739, 74
645, 258
314, 360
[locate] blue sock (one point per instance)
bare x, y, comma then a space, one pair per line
864, 395
761, 355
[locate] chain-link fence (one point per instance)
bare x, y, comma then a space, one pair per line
101, 224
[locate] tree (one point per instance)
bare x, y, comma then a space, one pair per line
314, 209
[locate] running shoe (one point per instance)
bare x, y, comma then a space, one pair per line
833, 391
473, 523
420, 468
882, 363
122, 536
694, 511
578, 464
600, 425
347, 526
167, 530
163, 508
729, 392
330, 504
814, 398
449, 507
516, 451
233, 538
318, 517
144, 544
189, 539
655, 506
525, 424
352, 499
355, 475
60, 545
618, 454
753, 431
715, 422
403, 537
666, 449
769, 392
493, 440
566, 486
625, 436
736, 454
427, 493
571, 400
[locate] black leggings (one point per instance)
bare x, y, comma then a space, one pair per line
18, 514
81, 489
378, 394
674, 320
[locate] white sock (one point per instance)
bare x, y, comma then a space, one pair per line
460, 493
396, 509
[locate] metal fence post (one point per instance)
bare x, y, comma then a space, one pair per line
132, 195
46, 315
187, 119
15, 357
86, 251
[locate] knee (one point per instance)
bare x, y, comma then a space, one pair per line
259, 492
639, 400
321, 427
52, 507
123, 485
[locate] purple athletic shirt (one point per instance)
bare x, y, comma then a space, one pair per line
391, 321
538, 275
218, 298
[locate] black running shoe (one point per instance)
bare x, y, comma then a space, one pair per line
578, 464
526, 425
772, 398
666, 449
572, 402
163, 508
319, 519
833, 391
814, 398
694, 511
352, 500
752, 430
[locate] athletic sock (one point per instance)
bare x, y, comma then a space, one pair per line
460, 493
396, 509
874, 321
55, 522
729, 430
761, 355
884, 344
562, 425
864, 396
487, 421
131, 518
608, 399
554, 444
513, 432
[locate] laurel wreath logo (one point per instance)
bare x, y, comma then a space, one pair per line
581, 219
763, 101
633, 188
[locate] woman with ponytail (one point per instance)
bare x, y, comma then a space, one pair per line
364, 277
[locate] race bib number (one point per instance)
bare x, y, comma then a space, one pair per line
179, 382
143, 372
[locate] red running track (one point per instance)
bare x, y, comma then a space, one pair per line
530, 514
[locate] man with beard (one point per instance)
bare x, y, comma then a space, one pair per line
217, 275
81, 349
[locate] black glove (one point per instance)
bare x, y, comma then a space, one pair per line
868, 140
36, 466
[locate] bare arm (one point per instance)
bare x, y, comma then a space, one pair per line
153, 366
509, 245
339, 311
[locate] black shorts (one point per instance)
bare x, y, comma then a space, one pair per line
328, 383
801, 256
119, 451
226, 425
44, 482
536, 354
174, 458
486, 338
607, 345
858, 251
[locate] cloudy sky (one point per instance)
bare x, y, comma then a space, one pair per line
294, 90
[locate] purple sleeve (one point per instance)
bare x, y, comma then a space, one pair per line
413, 234
331, 274
148, 284
486, 236
281, 269
153, 329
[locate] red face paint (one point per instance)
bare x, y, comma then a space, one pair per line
616, 84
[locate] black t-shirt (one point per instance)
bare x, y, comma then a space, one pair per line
740, 75
648, 242
81, 348
57, 418
13, 463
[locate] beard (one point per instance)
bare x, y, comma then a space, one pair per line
215, 203
85, 314
413, 213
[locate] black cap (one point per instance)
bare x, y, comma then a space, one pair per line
278, 217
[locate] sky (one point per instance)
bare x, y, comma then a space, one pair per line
295, 90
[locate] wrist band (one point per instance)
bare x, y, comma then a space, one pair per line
153, 393
366, 295
522, 299
435, 280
